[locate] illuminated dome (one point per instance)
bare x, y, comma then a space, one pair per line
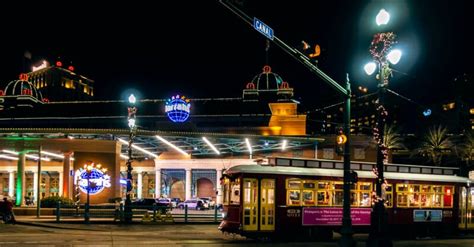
22, 87
267, 82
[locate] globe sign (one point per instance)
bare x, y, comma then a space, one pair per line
98, 181
178, 108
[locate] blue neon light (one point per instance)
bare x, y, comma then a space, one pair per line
178, 108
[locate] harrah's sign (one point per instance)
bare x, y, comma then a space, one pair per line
179, 107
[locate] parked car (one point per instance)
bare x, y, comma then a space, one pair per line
167, 202
175, 202
208, 201
192, 204
145, 202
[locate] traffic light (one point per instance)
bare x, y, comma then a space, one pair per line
353, 178
341, 139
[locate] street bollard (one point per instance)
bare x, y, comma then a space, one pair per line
121, 212
154, 212
185, 213
215, 213
58, 213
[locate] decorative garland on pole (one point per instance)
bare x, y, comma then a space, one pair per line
380, 45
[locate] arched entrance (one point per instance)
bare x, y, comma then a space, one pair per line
177, 190
205, 188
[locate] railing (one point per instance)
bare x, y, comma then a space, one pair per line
361, 166
152, 214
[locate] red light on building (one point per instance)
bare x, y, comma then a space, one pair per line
71, 68
267, 69
23, 77
59, 64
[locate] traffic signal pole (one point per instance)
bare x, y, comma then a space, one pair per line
346, 231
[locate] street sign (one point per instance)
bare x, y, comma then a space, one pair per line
263, 28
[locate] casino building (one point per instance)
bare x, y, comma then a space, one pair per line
180, 149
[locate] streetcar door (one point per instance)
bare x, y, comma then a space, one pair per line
250, 204
267, 205
466, 208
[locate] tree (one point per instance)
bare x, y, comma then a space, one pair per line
392, 140
466, 148
435, 145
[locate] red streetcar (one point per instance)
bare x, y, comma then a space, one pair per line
301, 198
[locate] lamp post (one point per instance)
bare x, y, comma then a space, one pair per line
90, 167
382, 53
132, 110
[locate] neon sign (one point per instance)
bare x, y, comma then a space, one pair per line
96, 183
178, 108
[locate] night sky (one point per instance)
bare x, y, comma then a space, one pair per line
200, 49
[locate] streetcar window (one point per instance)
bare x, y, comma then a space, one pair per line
294, 184
323, 198
309, 184
387, 193
235, 192
226, 191
308, 198
324, 193
448, 196
293, 196
424, 195
338, 196
354, 199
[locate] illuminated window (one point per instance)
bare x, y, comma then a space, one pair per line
449, 106
424, 196
308, 193
70, 84
293, 190
387, 194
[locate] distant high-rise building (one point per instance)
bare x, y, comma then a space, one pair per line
59, 83
458, 112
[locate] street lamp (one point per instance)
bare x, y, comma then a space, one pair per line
383, 54
132, 110
89, 168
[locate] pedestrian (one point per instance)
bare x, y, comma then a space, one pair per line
7, 210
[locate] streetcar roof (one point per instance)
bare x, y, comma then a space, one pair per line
303, 171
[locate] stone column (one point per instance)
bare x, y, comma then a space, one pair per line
65, 179
157, 183
188, 183
61, 180
20, 180
139, 185
11, 184
218, 186
35, 186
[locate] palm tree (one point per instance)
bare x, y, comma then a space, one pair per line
392, 140
436, 142
466, 150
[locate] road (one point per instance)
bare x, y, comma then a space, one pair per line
157, 235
